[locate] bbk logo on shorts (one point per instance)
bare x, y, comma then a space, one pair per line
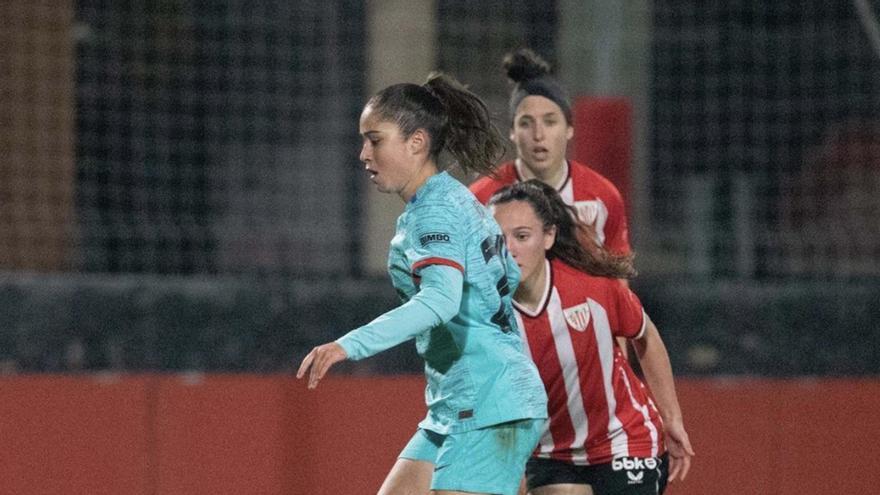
634, 467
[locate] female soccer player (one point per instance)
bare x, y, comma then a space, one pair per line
540, 128
605, 435
486, 403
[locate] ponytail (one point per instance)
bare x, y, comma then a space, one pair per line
471, 137
455, 119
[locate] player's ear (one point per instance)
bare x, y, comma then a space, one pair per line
419, 142
549, 238
569, 133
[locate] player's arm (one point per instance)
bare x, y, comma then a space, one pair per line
437, 302
623, 342
617, 240
657, 370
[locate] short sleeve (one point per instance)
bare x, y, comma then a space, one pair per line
631, 318
436, 238
617, 228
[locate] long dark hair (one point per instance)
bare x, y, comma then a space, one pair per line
455, 119
576, 243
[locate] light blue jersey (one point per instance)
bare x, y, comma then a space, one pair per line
477, 373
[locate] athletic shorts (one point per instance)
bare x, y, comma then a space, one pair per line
488, 460
623, 476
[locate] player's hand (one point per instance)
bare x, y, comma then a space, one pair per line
680, 451
320, 359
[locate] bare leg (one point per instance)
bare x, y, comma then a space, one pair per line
447, 492
544, 490
522, 487
408, 477
563, 489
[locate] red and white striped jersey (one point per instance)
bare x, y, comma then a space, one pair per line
597, 201
599, 409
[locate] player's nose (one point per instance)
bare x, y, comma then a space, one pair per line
511, 248
365, 155
538, 134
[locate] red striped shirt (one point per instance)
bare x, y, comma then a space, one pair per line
597, 201
599, 409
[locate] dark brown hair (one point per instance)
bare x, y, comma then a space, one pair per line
576, 243
531, 76
455, 120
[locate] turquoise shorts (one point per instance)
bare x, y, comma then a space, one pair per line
488, 460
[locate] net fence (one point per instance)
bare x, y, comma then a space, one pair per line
189, 171
471, 44
209, 137
766, 138
220, 138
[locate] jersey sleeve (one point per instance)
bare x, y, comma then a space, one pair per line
436, 239
483, 188
437, 302
631, 318
617, 227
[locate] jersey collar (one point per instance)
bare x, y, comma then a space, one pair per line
517, 164
545, 297
424, 187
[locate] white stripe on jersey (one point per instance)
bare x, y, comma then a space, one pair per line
565, 351
605, 345
644, 326
655, 440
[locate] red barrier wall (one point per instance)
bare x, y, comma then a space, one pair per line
74, 435
217, 434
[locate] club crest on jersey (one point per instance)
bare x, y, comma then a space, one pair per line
594, 214
578, 317
588, 211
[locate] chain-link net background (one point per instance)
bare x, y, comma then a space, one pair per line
765, 139
216, 137
179, 185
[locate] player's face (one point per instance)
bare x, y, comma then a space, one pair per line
386, 155
526, 238
541, 135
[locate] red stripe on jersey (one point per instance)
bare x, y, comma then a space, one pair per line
540, 338
418, 265
598, 408
593, 390
631, 419
641, 420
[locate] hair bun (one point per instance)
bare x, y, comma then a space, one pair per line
524, 64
